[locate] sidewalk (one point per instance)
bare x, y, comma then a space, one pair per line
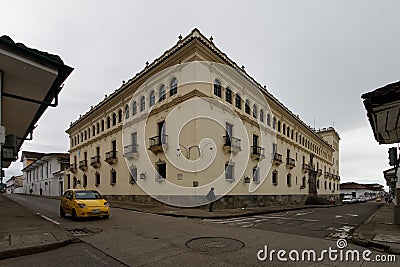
203, 213
22, 232
379, 231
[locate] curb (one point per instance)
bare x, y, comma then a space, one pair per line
18, 252
228, 216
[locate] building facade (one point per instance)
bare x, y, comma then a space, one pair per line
14, 185
369, 191
43, 173
117, 143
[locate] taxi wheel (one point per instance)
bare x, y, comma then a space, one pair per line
106, 216
62, 212
74, 216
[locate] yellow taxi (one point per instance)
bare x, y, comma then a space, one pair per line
84, 203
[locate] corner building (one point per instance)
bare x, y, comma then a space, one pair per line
109, 146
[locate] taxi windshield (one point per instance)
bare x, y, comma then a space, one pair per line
87, 195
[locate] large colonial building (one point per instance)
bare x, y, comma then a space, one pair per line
258, 149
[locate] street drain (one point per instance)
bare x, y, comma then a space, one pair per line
83, 231
214, 244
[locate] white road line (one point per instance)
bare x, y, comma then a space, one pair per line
47, 218
338, 216
353, 215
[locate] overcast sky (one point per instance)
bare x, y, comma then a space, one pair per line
317, 57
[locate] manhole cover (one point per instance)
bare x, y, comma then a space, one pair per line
214, 244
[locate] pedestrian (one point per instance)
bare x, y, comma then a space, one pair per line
386, 199
31, 191
332, 200
41, 191
211, 197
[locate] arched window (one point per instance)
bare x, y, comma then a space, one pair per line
247, 106
173, 87
152, 98
134, 108
228, 95
108, 122
255, 111
261, 115
142, 103
238, 101
269, 119
217, 88
120, 116
161, 92
126, 112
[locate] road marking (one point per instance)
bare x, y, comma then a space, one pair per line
338, 216
353, 215
47, 218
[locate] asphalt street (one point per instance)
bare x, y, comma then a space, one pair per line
143, 239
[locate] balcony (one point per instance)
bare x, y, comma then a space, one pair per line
277, 159
329, 175
232, 144
111, 157
290, 163
158, 143
319, 172
73, 168
257, 152
83, 165
131, 151
306, 167
95, 162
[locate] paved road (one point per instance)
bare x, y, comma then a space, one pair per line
140, 239
337, 222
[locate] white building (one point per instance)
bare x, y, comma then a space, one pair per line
43, 173
14, 185
369, 191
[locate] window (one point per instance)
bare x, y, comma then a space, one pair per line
303, 182
161, 93
238, 101
217, 88
133, 177
114, 119
256, 175
261, 115
274, 123
113, 177
142, 103
279, 126
229, 171
120, 116
173, 87
102, 125
97, 179
85, 135
247, 106
283, 129
325, 185
94, 130
318, 184
88, 131
330, 186
75, 182
269, 119
134, 108
126, 112
81, 137
84, 181
228, 95
275, 177
161, 171
289, 180
255, 111
152, 98
296, 137
108, 122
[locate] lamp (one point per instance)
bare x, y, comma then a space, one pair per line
143, 175
246, 180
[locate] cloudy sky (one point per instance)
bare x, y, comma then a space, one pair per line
317, 57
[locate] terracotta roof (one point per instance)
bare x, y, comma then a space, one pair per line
7, 39
388, 93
